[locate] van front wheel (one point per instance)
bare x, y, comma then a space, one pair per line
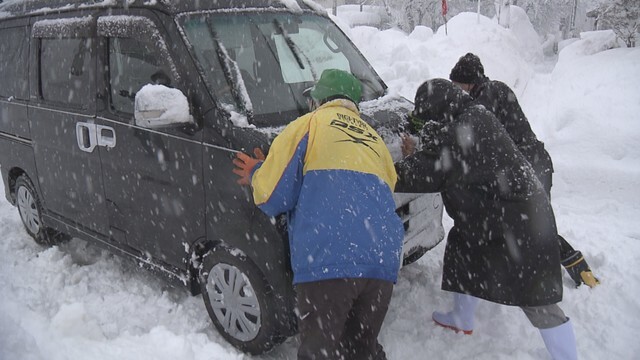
30, 209
239, 301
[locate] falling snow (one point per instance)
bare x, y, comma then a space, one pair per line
75, 301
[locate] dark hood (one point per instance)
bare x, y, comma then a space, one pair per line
439, 100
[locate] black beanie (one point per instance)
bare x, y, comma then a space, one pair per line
439, 100
468, 70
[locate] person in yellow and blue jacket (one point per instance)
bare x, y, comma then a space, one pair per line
333, 176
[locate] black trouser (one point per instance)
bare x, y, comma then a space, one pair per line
341, 318
566, 250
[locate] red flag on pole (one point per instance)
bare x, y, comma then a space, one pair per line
444, 7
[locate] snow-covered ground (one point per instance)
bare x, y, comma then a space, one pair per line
78, 302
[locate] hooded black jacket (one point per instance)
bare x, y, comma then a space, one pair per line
503, 245
498, 98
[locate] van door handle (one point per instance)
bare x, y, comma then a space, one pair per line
106, 136
86, 135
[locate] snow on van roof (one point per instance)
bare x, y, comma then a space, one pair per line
316, 7
65, 27
13, 8
292, 5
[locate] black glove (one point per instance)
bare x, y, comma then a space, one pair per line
579, 270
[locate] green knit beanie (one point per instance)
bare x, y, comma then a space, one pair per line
336, 83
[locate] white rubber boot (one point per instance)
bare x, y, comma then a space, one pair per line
461, 317
560, 342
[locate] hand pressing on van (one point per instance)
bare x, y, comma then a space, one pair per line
245, 165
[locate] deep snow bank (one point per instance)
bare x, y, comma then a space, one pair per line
404, 61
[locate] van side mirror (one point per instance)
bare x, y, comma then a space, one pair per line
158, 106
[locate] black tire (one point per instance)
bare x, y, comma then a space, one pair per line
417, 254
243, 310
30, 209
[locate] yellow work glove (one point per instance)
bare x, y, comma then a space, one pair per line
579, 270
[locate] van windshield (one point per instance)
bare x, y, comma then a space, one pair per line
263, 62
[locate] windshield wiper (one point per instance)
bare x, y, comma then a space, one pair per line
295, 50
232, 73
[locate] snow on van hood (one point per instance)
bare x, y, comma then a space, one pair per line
392, 105
386, 115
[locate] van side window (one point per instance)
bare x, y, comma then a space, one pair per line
133, 64
65, 70
65, 53
14, 49
138, 55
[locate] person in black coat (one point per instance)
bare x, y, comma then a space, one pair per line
502, 246
497, 97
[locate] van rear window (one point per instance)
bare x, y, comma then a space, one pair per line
13, 62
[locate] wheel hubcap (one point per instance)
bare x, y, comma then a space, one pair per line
28, 210
234, 301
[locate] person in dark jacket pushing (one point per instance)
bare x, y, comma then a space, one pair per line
497, 97
502, 246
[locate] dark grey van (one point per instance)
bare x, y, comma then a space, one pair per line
118, 123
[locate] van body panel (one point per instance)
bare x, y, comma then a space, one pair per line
158, 202
70, 179
13, 118
16, 158
63, 86
153, 178
234, 221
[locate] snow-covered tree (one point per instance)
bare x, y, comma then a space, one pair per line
549, 16
622, 16
408, 14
